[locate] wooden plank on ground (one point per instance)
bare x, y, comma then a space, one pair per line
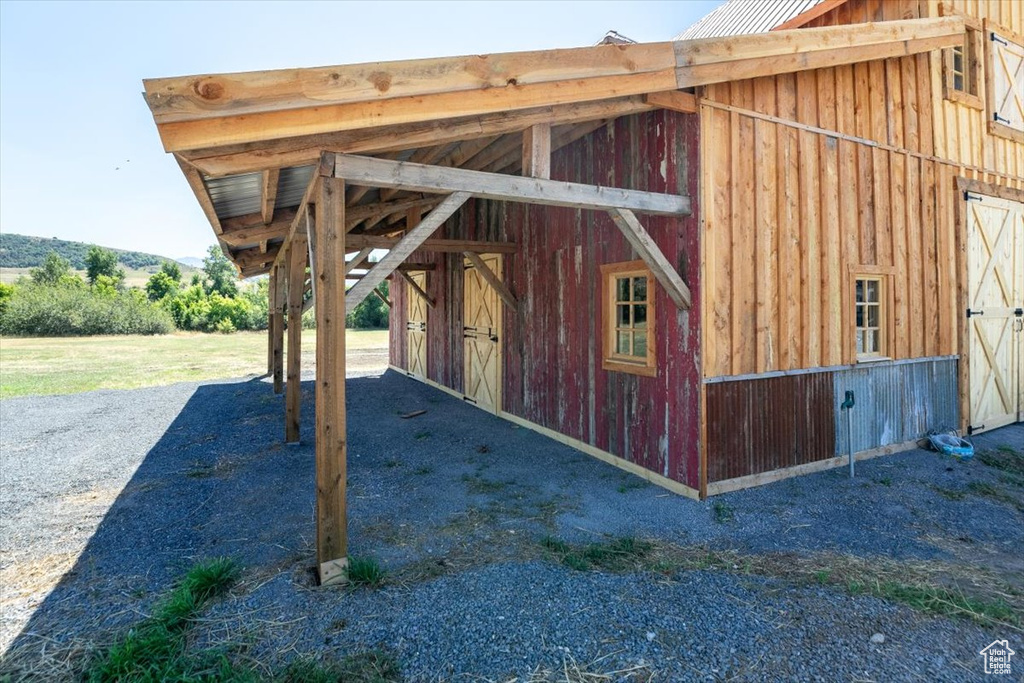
331, 448
422, 178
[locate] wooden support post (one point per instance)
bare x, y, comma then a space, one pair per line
297, 256
537, 151
648, 250
492, 280
277, 328
331, 519
271, 292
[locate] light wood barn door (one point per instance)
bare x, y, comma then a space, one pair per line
416, 328
995, 276
482, 327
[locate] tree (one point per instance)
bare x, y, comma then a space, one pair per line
171, 270
220, 273
160, 285
55, 270
100, 261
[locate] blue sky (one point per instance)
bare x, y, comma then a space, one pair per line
79, 155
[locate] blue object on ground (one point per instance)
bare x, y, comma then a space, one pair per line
951, 444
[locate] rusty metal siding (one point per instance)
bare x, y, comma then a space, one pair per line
552, 371
896, 402
760, 425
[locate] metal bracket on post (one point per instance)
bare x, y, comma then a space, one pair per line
847, 405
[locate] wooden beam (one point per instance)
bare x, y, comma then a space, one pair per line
249, 258
437, 245
717, 60
537, 151
268, 195
211, 96
248, 230
507, 188
406, 246
675, 100
823, 7
195, 181
414, 287
278, 283
646, 248
357, 214
357, 259
331, 447
492, 280
304, 150
381, 296
297, 258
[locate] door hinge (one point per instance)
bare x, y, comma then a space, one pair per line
999, 119
968, 197
997, 39
970, 313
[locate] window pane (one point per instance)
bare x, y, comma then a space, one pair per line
622, 316
640, 316
640, 344
860, 342
875, 337
860, 316
872, 293
872, 316
860, 291
640, 289
622, 289
622, 343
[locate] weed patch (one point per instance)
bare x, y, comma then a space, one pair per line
374, 666
985, 490
420, 436
951, 494
366, 571
617, 555
723, 512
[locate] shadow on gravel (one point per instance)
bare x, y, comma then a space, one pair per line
451, 489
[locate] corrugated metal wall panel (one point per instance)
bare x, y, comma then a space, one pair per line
761, 425
896, 402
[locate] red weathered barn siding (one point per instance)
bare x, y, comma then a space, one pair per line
552, 349
760, 425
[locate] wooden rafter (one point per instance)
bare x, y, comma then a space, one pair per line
268, 194
675, 100
358, 259
509, 188
247, 259
437, 245
195, 181
381, 296
247, 230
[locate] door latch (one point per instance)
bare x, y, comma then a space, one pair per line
970, 313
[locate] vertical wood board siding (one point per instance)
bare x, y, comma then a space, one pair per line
552, 371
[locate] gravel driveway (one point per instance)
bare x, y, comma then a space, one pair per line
107, 497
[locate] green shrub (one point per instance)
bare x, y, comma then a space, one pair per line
69, 311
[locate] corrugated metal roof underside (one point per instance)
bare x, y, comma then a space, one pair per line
239, 195
740, 17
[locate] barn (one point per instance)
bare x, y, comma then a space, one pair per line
676, 257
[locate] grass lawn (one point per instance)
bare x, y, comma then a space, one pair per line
67, 365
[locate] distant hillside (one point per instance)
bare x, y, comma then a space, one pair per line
24, 251
192, 261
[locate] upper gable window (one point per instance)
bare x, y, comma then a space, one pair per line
962, 69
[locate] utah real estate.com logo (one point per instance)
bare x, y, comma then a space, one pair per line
997, 657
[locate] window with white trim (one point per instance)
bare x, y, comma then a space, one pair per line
870, 317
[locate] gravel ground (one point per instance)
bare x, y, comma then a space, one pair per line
107, 497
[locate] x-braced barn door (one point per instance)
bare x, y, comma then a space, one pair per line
416, 328
995, 278
481, 329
